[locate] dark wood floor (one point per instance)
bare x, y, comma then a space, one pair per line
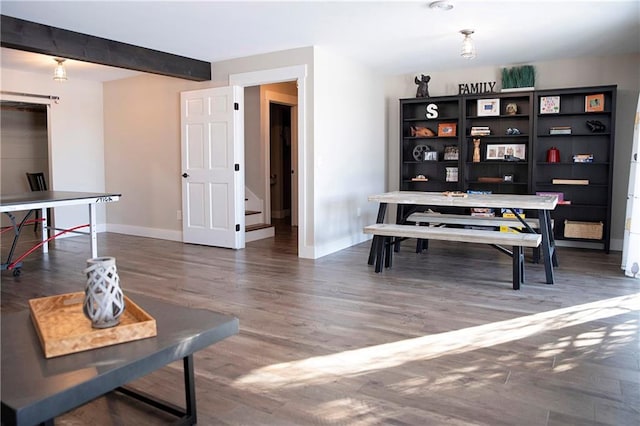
439, 339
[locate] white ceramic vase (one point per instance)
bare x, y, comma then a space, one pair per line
103, 297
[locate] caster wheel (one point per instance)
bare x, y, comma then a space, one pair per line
17, 272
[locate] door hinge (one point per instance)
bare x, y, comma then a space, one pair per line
238, 228
237, 167
236, 106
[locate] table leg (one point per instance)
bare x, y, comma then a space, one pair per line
188, 416
45, 230
518, 266
92, 230
382, 211
547, 246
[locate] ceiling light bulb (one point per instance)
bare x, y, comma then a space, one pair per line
468, 49
60, 73
441, 5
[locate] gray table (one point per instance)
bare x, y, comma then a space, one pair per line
35, 390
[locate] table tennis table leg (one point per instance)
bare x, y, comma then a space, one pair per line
45, 230
92, 230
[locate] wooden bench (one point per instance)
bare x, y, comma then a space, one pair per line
387, 232
437, 219
461, 219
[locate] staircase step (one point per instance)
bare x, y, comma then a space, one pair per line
250, 212
258, 226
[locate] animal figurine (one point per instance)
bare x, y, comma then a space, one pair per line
476, 150
422, 132
423, 86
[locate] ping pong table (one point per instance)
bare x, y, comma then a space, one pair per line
42, 200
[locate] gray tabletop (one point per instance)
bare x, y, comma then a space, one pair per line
39, 199
35, 389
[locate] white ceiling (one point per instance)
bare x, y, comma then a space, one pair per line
392, 37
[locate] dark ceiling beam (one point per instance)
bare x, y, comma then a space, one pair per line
32, 37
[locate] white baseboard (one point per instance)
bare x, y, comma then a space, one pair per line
163, 234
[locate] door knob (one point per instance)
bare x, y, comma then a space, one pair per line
185, 175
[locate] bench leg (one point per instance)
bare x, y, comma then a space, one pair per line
518, 267
373, 250
536, 255
388, 254
379, 253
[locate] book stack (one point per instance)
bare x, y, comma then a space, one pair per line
451, 174
583, 158
560, 130
481, 211
480, 131
560, 196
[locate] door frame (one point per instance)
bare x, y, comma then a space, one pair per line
296, 73
265, 103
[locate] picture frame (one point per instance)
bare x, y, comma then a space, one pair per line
451, 153
594, 103
498, 151
431, 156
549, 104
488, 107
447, 130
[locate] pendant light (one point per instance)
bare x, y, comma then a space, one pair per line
468, 49
60, 73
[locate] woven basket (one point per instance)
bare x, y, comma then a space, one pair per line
586, 230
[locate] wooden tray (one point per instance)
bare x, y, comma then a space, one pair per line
64, 329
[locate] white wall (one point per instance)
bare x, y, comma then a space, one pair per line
349, 160
253, 168
142, 155
621, 70
76, 137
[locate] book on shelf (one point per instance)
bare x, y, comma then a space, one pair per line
560, 130
583, 158
570, 181
480, 131
560, 195
483, 214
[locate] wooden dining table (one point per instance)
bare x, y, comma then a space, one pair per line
542, 204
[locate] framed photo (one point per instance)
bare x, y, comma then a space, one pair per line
498, 151
549, 104
447, 130
487, 107
431, 156
594, 103
450, 153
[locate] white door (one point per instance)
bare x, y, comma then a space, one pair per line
212, 166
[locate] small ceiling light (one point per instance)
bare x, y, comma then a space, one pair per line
60, 74
468, 49
441, 5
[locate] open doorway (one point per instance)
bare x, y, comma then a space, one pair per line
280, 162
271, 158
302, 206
24, 148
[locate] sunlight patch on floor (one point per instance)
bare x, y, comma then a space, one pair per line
324, 368
345, 410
